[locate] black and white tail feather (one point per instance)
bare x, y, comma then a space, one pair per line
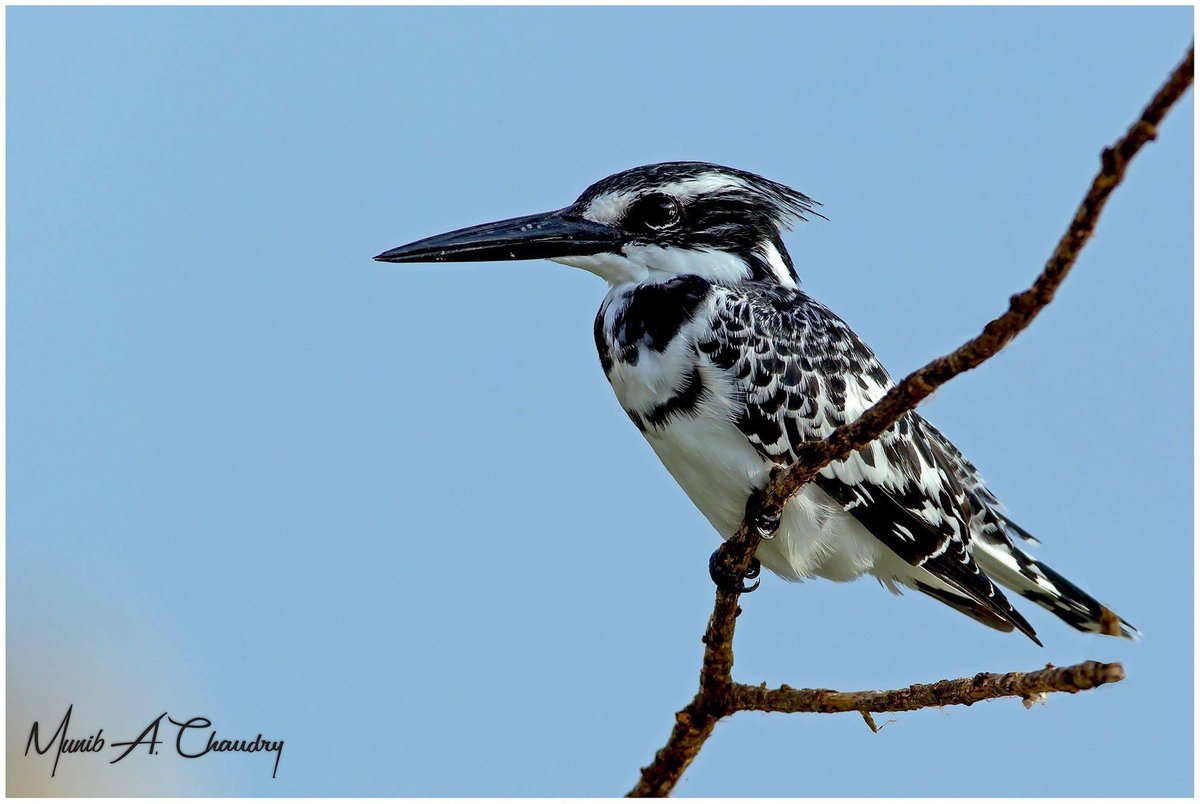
1003, 560
727, 367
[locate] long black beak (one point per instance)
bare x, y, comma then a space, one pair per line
548, 235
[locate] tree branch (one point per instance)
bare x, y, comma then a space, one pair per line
719, 695
961, 691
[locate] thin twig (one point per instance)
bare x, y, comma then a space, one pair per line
718, 692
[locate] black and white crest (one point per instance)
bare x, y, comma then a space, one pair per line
727, 200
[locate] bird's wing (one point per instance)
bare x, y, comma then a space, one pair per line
802, 372
987, 513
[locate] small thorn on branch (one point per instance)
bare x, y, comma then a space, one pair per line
870, 721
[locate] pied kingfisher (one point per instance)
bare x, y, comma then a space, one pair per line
726, 366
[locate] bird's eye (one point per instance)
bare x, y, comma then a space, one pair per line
654, 212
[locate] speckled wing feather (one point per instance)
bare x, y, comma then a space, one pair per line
987, 513
802, 372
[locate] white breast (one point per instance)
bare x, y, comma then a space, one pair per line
717, 467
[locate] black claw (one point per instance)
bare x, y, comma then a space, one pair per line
766, 525
726, 579
764, 522
755, 569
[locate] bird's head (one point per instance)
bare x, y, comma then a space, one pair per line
645, 224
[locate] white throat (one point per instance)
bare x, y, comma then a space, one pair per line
647, 263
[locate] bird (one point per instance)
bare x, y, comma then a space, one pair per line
727, 367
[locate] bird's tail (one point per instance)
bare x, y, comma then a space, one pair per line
1013, 568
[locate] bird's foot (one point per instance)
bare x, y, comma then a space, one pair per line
726, 579
764, 522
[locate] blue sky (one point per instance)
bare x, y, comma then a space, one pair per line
393, 515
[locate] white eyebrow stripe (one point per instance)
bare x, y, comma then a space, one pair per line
610, 207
